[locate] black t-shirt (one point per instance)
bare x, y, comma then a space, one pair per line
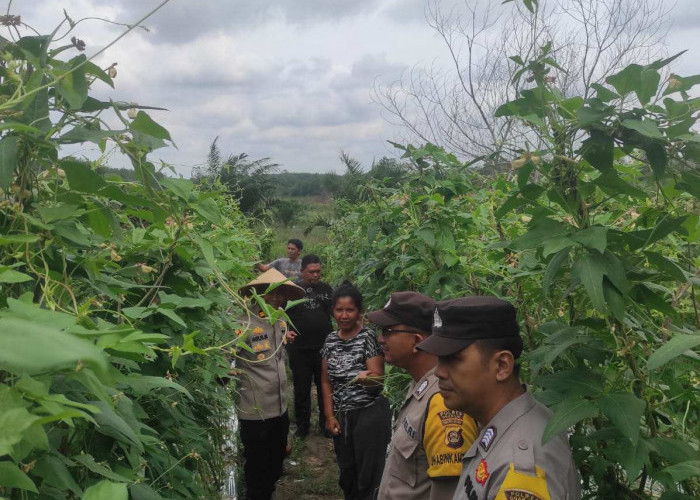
312, 319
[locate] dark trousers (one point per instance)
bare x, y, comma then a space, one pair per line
264, 443
361, 449
306, 367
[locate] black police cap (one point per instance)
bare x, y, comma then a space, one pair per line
406, 308
460, 322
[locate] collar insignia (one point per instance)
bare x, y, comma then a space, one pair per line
437, 320
488, 437
422, 387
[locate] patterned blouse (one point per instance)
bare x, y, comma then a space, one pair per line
347, 358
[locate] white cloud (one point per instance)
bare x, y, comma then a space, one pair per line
288, 80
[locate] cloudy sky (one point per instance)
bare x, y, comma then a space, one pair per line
286, 79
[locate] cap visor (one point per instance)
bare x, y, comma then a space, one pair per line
381, 318
443, 346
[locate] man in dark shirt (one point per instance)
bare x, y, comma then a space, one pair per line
311, 321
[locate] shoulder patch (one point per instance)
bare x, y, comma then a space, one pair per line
521, 495
488, 437
482, 472
447, 436
520, 486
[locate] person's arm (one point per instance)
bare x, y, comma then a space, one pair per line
332, 424
443, 487
375, 367
262, 267
373, 377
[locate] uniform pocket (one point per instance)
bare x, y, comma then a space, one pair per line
404, 465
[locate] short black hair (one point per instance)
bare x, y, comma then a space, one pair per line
297, 243
347, 289
309, 259
514, 344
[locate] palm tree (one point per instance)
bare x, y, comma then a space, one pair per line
248, 181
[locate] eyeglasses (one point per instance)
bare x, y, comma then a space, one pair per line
390, 331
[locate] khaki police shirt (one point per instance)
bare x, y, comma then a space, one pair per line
509, 462
427, 445
262, 384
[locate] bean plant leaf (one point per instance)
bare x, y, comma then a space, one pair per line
674, 495
684, 470
13, 423
568, 413
614, 299
427, 235
595, 237
81, 177
666, 265
575, 382
590, 272
146, 125
10, 239
647, 128
81, 134
142, 491
30, 347
625, 411
553, 268
106, 490
110, 423
72, 85
672, 349
657, 157
12, 476
627, 80
672, 450
8, 160
12, 276
55, 473
599, 150
172, 315
209, 210
89, 462
604, 93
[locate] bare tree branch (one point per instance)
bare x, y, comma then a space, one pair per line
453, 104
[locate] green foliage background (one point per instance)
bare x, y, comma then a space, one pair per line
594, 236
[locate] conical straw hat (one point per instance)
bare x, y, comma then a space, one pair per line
291, 290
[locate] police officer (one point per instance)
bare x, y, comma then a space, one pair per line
477, 342
262, 389
429, 440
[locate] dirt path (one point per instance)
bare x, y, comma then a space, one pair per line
312, 473
311, 469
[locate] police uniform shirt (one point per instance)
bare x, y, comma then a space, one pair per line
262, 384
427, 445
509, 462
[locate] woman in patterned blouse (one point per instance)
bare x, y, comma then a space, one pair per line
359, 416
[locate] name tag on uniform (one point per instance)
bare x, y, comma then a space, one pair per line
412, 433
261, 345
